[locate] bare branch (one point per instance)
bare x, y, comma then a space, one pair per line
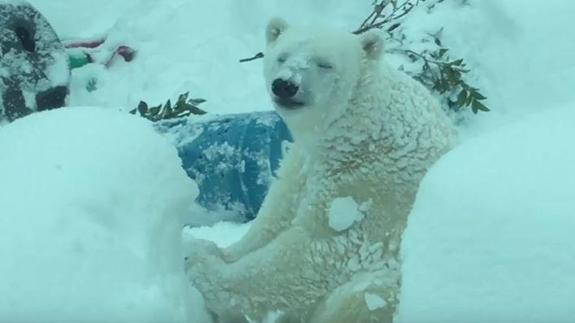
379, 19
256, 56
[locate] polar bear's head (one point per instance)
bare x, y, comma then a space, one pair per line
311, 72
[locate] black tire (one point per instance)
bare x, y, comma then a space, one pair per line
35, 74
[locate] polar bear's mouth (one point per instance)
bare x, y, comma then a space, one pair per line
288, 103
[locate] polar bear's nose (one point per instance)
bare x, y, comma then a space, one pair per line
284, 89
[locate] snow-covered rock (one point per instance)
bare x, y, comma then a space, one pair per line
90, 230
491, 238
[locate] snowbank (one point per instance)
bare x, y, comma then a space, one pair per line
90, 229
491, 238
519, 52
184, 46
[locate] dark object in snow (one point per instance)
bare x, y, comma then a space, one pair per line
232, 158
34, 70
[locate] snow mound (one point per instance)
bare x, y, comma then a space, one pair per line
490, 238
90, 229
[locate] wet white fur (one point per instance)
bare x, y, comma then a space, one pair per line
368, 132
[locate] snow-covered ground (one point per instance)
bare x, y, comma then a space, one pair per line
488, 239
520, 52
85, 233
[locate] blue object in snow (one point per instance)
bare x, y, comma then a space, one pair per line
232, 158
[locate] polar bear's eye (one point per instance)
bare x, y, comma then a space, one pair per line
281, 59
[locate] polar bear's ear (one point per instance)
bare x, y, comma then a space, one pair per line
275, 28
372, 44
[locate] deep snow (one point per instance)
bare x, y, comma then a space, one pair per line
92, 204
519, 52
490, 238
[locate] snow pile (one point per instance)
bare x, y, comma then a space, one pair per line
90, 227
184, 46
516, 50
490, 238
343, 213
519, 52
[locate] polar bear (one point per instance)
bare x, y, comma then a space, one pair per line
362, 131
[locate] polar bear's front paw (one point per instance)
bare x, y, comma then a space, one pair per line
201, 251
203, 263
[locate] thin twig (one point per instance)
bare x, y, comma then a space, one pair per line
256, 56
377, 13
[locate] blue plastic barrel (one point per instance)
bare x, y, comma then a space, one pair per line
232, 158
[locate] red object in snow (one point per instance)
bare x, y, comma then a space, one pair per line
92, 45
127, 53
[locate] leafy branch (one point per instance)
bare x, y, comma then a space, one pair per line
182, 108
380, 17
439, 72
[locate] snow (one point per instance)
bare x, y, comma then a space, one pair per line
519, 53
91, 201
374, 301
515, 50
343, 213
490, 238
223, 233
176, 43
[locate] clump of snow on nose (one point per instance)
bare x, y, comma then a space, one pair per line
293, 68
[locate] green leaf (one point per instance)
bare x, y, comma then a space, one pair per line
393, 27
196, 101
142, 107
453, 76
457, 62
478, 96
478, 106
182, 98
469, 100
461, 99
442, 52
154, 111
196, 110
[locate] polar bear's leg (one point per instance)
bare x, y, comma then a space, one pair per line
368, 298
275, 277
277, 211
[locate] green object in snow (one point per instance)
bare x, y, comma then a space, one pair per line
77, 59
